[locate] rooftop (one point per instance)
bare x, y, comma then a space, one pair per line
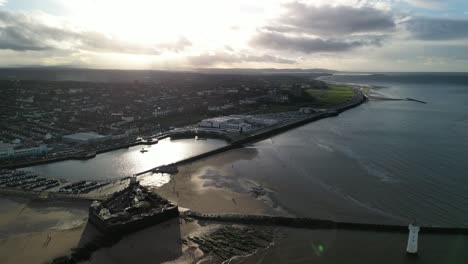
84, 136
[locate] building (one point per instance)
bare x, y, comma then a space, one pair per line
228, 123
297, 90
85, 138
11, 151
131, 209
412, 246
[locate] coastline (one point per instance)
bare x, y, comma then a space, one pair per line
271, 131
359, 98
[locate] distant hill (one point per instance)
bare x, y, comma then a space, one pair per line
97, 75
264, 71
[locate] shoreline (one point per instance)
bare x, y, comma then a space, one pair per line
270, 131
332, 111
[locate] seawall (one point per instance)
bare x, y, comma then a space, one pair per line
311, 223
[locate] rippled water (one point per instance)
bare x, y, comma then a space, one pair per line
415, 155
126, 162
398, 159
395, 160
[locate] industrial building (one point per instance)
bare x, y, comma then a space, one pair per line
238, 123
85, 138
228, 123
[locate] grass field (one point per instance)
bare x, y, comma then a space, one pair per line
314, 92
337, 94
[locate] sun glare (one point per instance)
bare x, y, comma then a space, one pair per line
207, 23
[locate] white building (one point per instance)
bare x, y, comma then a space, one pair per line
85, 138
228, 123
412, 247
11, 151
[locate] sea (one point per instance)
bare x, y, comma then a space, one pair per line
402, 159
394, 161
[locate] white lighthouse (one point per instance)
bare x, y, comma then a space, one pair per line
412, 247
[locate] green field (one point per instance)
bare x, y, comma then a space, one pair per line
314, 92
337, 94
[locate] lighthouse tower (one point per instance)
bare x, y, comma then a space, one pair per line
412, 247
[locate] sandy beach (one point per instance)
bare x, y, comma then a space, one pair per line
209, 186
36, 232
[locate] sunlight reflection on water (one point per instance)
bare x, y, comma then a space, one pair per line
126, 162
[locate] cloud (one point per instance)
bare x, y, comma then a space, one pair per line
20, 32
279, 41
177, 46
95, 41
424, 28
222, 57
325, 29
15, 39
332, 20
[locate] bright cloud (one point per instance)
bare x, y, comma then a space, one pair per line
340, 34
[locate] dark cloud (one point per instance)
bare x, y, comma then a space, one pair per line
20, 33
279, 41
332, 20
15, 39
207, 59
437, 28
314, 29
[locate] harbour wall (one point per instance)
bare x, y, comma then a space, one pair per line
311, 223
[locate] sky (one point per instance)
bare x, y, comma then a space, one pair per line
347, 35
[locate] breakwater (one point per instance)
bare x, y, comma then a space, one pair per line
47, 196
270, 131
311, 223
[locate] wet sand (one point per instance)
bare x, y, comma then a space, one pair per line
224, 183
36, 232
203, 186
38, 247
157, 244
357, 247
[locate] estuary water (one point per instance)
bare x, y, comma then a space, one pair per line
397, 160
126, 162
403, 159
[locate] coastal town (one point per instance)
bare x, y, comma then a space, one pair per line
56, 121
46, 121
